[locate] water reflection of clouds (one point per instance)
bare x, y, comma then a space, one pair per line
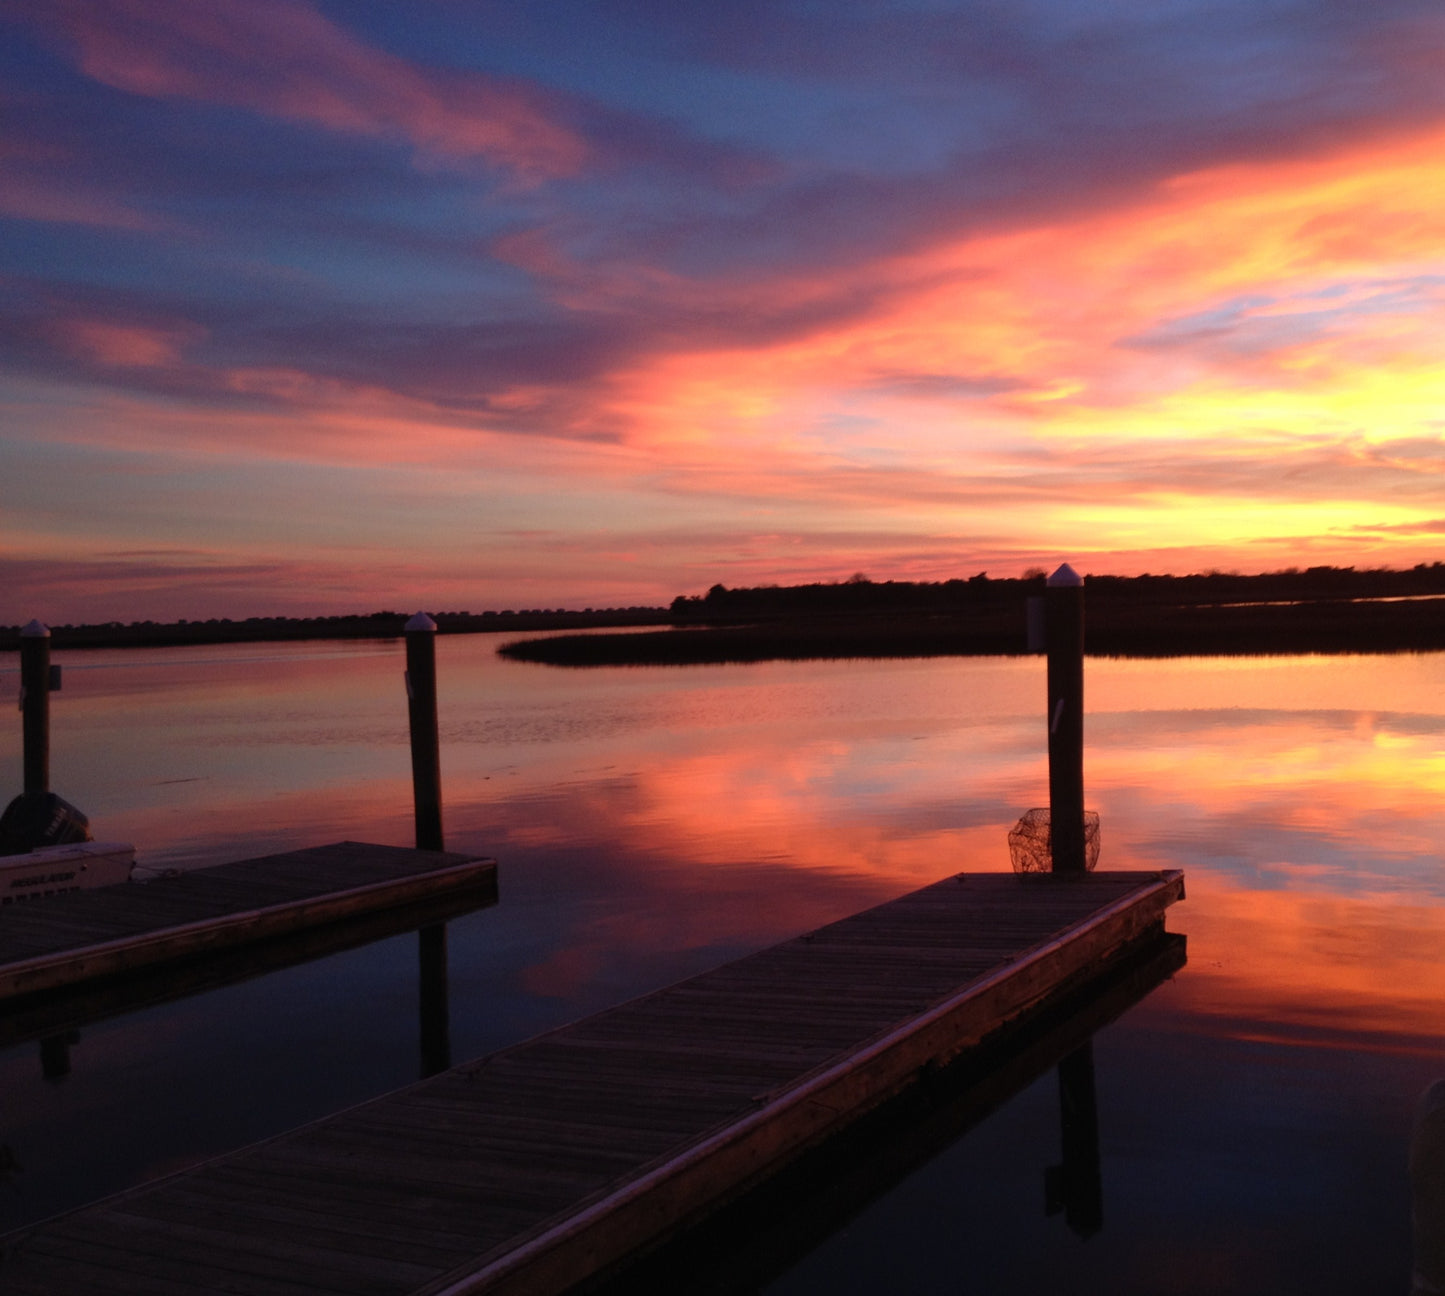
1268, 846
1266, 794
1309, 847
1307, 967
805, 806
589, 917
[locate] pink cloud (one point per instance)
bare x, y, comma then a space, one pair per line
286, 59
127, 345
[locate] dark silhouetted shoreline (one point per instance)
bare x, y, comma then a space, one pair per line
1318, 609
375, 625
1321, 610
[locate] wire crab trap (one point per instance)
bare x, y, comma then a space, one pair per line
1031, 846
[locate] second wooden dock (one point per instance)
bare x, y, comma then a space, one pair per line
538, 1167
86, 937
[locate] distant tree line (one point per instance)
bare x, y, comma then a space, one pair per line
1126, 613
859, 595
1318, 609
372, 625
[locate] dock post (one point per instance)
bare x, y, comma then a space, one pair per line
421, 696
35, 706
1064, 629
426, 781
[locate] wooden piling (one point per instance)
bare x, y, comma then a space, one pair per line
35, 706
421, 694
426, 781
1064, 615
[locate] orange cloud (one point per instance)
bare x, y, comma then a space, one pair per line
1049, 315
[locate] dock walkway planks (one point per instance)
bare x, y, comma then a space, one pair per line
62, 941
534, 1168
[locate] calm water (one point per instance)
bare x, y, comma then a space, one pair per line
1254, 1112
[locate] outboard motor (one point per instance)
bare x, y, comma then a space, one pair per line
36, 819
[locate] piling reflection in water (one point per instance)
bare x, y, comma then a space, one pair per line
1075, 1186
434, 1013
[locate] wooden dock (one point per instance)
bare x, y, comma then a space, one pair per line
765, 1232
551, 1162
84, 939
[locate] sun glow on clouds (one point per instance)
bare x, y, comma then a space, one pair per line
1232, 364
1230, 325
1232, 314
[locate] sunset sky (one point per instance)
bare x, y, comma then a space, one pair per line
452, 304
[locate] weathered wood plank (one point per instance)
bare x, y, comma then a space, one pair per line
529, 1170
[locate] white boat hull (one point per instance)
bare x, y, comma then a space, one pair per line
51, 870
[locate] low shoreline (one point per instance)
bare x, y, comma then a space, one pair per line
1328, 626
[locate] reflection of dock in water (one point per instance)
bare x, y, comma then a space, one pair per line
539, 1166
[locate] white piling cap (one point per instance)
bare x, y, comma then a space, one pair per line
36, 630
420, 622
1065, 576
